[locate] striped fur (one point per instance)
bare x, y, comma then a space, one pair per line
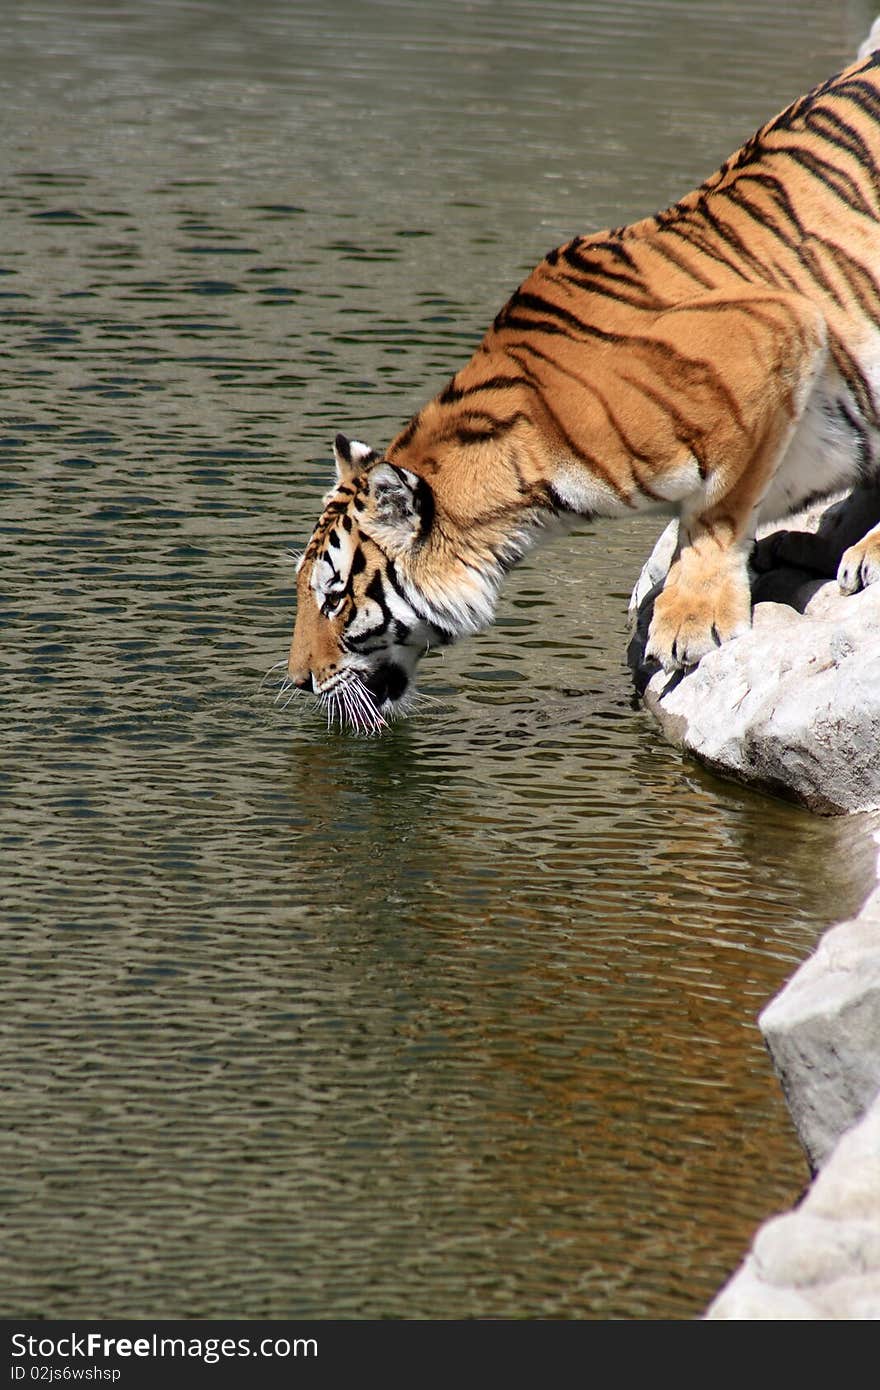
720, 360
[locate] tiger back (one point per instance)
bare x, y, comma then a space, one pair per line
720, 361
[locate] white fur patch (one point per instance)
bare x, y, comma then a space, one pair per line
678, 483
823, 455
359, 451
368, 617
582, 492
331, 569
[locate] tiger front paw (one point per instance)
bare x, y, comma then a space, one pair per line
860, 564
692, 617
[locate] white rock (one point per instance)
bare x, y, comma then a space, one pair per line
823, 1034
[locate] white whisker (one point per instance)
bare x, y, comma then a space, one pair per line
362, 715
284, 689
347, 703
373, 718
364, 709
358, 699
348, 706
418, 697
283, 662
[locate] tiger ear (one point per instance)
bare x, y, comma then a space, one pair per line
401, 505
351, 456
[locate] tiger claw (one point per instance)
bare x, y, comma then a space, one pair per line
860, 565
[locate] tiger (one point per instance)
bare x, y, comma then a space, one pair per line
719, 361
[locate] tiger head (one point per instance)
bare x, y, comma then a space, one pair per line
409, 553
361, 625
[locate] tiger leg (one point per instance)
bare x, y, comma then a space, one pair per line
860, 564
706, 599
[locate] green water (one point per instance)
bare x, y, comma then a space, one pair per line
459, 1022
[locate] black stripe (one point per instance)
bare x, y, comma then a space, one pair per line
536, 303
579, 245
576, 450
453, 393
495, 427
616, 249
734, 240
691, 234
858, 277
643, 299
844, 136
836, 180
777, 191
376, 592
862, 95
591, 267
406, 435
762, 216
668, 254
447, 633
686, 433
856, 381
585, 329
634, 453
423, 500
671, 360
506, 320
391, 576
809, 257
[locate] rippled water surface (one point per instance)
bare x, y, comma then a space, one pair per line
459, 1022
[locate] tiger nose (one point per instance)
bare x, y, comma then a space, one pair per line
300, 676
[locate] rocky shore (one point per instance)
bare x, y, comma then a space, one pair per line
793, 708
